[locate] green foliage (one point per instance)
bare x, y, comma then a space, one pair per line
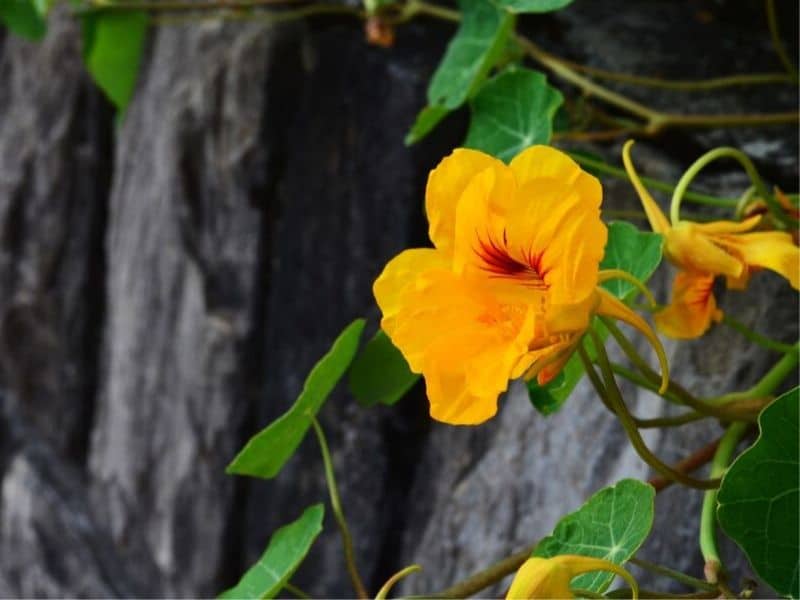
628, 249
268, 451
380, 374
611, 525
759, 499
112, 50
512, 111
533, 6
481, 38
25, 18
287, 548
426, 121
634, 251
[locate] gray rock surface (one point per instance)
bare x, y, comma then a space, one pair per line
167, 285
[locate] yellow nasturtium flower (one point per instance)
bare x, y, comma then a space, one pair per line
510, 285
703, 251
550, 577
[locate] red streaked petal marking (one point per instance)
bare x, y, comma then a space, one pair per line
498, 262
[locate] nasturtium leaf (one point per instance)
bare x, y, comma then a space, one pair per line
112, 50
380, 374
533, 6
628, 249
287, 548
512, 111
427, 119
24, 18
759, 499
481, 38
268, 451
612, 525
42, 6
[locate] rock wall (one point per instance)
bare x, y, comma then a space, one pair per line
168, 283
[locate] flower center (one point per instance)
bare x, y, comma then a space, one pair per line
498, 262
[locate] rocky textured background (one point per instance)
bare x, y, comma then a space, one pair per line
166, 285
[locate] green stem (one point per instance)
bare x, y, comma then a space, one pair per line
673, 574
700, 163
417, 7
595, 380
295, 591
757, 338
336, 505
654, 120
689, 417
674, 391
625, 418
708, 516
383, 593
724, 120
634, 378
767, 384
737, 409
663, 186
777, 43
744, 200
483, 579
647, 594
180, 5
581, 593
560, 69
683, 85
645, 383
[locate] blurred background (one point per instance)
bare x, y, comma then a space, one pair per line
167, 281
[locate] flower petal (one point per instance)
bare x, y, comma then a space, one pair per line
540, 578
772, 250
550, 577
692, 309
398, 275
728, 226
658, 220
445, 185
545, 162
454, 399
543, 236
555, 220
691, 250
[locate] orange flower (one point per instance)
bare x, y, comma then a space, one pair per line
511, 285
703, 251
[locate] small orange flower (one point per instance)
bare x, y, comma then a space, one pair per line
703, 251
549, 578
511, 285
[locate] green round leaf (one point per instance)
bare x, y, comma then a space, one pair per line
24, 18
268, 451
759, 499
612, 525
481, 38
287, 548
511, 112
533, 6
631, 250
380, 374
426, 121
112, 50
